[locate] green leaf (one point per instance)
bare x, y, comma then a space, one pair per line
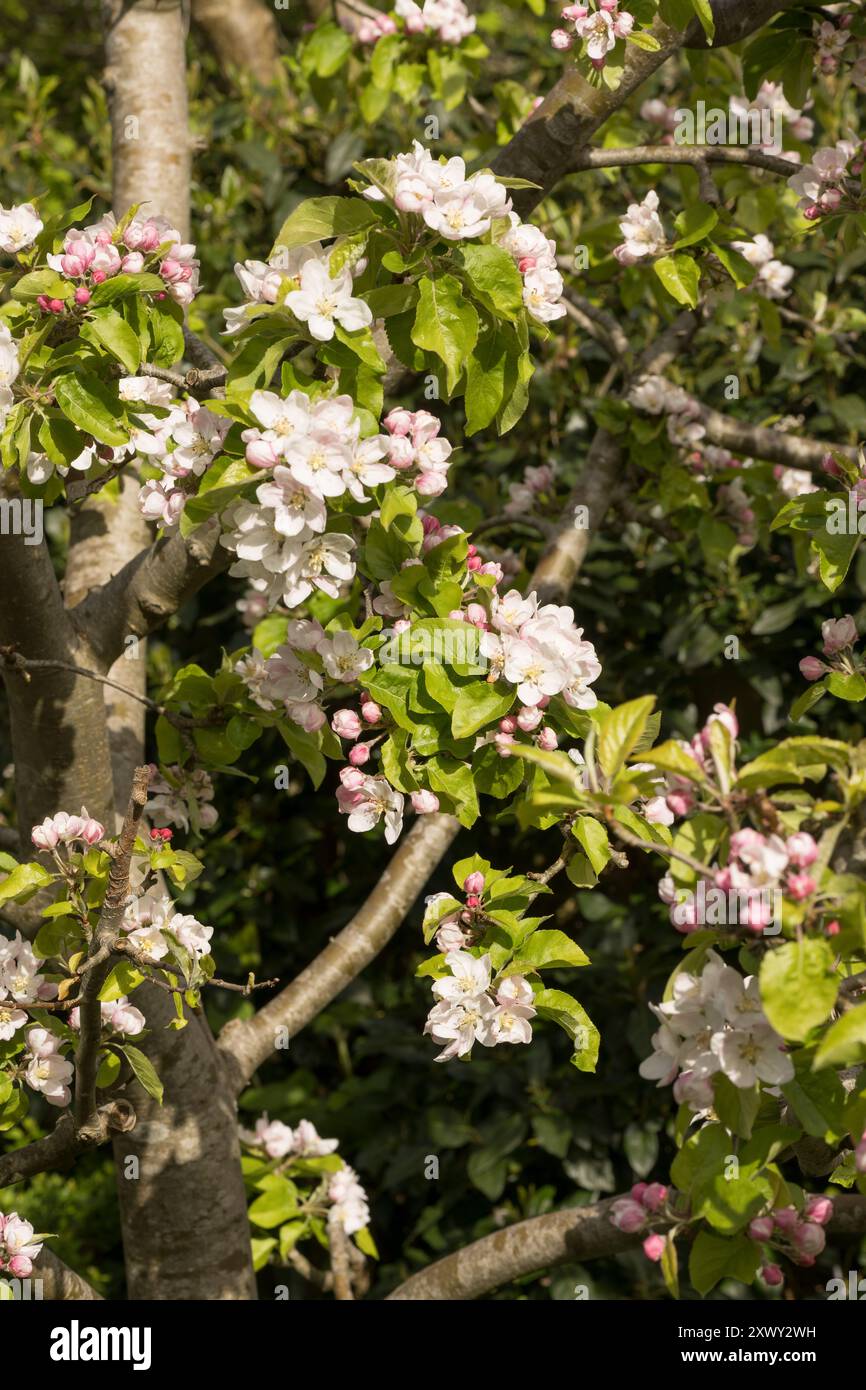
37, 282
798, 986
493, 279
739, 269
694, 223
278, 1203
122, 286
619, 730
704, 11
446, 324
454, 779
90, 405
592, 836
122, 979
144, 1071
713, 1258
561, 1008
108, 329
551, 950
305, 749
844, 1044
326, 50
317, 218
24, 878
847, 686
681, 277
479, 704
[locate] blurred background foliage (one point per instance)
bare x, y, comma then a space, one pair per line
518, 1131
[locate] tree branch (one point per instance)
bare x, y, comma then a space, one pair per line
60, 1283
246, 1044
561, 1237
65, 1142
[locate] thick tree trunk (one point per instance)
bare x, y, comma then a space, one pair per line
182, 1202
244, 34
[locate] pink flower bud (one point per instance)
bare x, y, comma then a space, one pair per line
21, 1266
351, 778
476, 614
561, 40
473, 563
507, 725
819, 1209
56, 306
860, 1154
812, 213
627, 1215
654, 1247
371, 712
133, 264
346, 724
809, 1238
360, 754
772, 1275
838, 633
528, 719
832, 928
82, 295
831, 199
474, 883
680, 803
424, 802
398, 421
546, 739
761, 1228
98, 276
802, 849
260, 453
503, 744
800, 886
637, 1191
811, 668
71, 266
170, 269
655, 1196
786, 1218
473, 900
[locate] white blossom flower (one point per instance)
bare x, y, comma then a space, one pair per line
323, 300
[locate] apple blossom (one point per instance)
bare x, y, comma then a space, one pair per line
19, 227
324, 299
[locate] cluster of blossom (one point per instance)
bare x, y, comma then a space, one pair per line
118, 1016
839, 636
470, 1011
537, 648
19, 227
657, 396
820, 185
63, 829
537, 480
598, 29
643, 231
449, 20
148, 917
315, 452
284, 679
714, 1023
91, 255
278, 1141
302, 281
772, 278
860, 1154
20, 983
770, 97
47, 1071
189, 795
632, 1213
19, 1246
9, 368
458, 928
831, 41
737, 506
460, 208
797, 1235
755, 873
182, 443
